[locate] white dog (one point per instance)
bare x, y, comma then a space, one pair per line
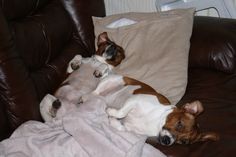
142, 110
85, 73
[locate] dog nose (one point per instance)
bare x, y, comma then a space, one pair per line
165, 140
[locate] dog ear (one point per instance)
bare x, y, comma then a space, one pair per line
207, 136
103, 37
194, 107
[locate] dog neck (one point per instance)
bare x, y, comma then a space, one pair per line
149, 118
102, 60
160, 116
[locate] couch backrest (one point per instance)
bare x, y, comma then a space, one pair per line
37, 40
213, 44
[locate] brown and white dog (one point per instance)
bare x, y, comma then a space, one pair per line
149, 113
84, 75
142, 110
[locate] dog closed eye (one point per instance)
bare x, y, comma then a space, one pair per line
179, 126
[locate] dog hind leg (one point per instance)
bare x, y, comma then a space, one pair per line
45, 107
123, 111
108, 83
115, 123
55, 107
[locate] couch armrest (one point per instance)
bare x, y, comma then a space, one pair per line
213, 44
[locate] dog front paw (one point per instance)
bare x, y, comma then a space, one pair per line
74, 64
97, 74
115, 123
102, 71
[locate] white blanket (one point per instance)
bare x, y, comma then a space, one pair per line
83, 133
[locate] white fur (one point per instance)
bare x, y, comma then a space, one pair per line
140, 113
102, 59
165, 132
45, 107
77, 59
81, 81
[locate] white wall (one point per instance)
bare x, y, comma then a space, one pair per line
121, 6
211, 12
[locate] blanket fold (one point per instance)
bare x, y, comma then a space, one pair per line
82, 133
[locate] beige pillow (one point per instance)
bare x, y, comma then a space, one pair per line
156, 48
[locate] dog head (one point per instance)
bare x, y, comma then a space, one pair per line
181, 126
108, 51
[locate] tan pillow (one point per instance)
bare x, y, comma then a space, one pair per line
156, 48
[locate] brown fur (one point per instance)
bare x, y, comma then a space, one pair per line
146, 89
181, 123
103, 42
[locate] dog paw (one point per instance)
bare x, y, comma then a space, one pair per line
56, 105
46, 106
97, 74
115, 123
102, 71
74, 64
83, 98
81, 101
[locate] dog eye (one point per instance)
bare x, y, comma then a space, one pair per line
184, 141
179, 126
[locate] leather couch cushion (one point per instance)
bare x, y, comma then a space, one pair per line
213, 44
35, 48
216, 90
41, 36
37, 40
81, 12
14, 9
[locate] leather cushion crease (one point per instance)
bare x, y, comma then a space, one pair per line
39, 37
215, 48
37, 40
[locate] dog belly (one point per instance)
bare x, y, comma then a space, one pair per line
69, 94
147, 117
140, 123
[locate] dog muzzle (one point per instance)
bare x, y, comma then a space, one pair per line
166, 138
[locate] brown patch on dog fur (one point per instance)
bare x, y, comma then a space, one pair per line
146, 89
182, 124
119, 57
103, 42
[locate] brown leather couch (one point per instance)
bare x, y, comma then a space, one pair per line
37, 40
39, 37
212, 80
